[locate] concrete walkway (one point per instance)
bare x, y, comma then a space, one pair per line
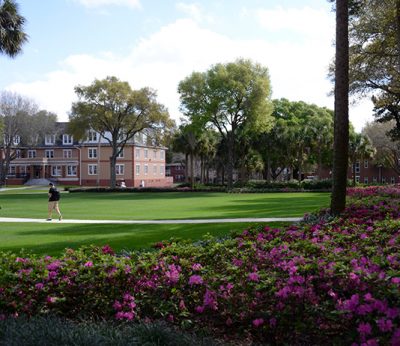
261, 220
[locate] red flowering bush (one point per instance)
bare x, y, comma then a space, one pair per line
332, 281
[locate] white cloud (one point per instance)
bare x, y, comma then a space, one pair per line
164, 58
192, 10
100, 3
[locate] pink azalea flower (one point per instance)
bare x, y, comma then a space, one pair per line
39, 286
195, 280
364, 329
197, 266
258, 322
89, 264
199, 309
253, 277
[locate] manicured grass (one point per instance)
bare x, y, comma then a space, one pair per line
156, 206
52, 239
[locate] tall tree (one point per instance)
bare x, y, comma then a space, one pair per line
341, 112
233, 97
111, 106
12, 35
22, 124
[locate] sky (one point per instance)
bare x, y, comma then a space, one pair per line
158, 43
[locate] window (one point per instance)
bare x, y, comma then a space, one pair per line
49, 154
121, 154
137, 153
71, 170
22, 169
17, 154
92, 169
357, 179
92, 153
146, 154
162, 170
137, 169
154, 169
119, 169
49, 139
56, 171
67, 153
365, 180
154, 154
374, 179
31, 154
67, 139
392, 180
11, 170
146, 169
162, 154
365, 163
92, 136
383, 180
357, 167
16, 139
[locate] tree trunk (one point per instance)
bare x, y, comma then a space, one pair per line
192, 170
113, 179
341, 117
186, 168
231, 159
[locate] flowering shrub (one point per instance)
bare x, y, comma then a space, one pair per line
332, 281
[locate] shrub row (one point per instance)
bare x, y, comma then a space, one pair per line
329, 281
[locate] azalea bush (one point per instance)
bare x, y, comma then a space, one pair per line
329, 281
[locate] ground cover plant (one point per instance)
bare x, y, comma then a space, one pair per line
156, 206
325, 282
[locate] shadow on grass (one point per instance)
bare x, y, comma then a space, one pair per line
53, 241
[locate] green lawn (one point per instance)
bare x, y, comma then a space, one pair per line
52, 238
166, 205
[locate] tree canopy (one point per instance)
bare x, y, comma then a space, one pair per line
235, 98
12, 35
112, 106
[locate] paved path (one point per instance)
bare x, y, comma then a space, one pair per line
269, 219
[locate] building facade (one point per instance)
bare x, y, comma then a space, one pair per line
61, 159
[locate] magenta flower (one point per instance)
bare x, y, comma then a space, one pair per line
258, 322
395, 281
197, 266
39, 286
195, 280
89, 264
253, 277
364, 329
199, 309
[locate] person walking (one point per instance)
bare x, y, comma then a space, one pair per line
54, 197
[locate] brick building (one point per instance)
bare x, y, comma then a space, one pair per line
63, 160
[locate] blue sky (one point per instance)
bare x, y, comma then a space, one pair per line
158, 43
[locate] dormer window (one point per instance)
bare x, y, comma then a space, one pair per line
49, 139
67, 139
92, 136
16, 139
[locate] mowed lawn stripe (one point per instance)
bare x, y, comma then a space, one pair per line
167, 205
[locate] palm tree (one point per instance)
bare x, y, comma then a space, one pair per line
360, 148
341, 118
12, 36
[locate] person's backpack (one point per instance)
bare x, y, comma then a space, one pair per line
56, 195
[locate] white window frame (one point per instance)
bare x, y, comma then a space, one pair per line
31, 154
146, 153
357, 178
121, 154
92, 153
365, 163
357, 166
154, 169
146, 169
93, 136
49, 139
12, 170
137, 153
374, 179
49, 153
154, 154
365, 180
16, 139
392, 180
67, 139
162, 169
119, 169
67, 153
56, 171
92, 169
72, 170
18, 154
137, 169
383, 180
162, 154
22, 169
